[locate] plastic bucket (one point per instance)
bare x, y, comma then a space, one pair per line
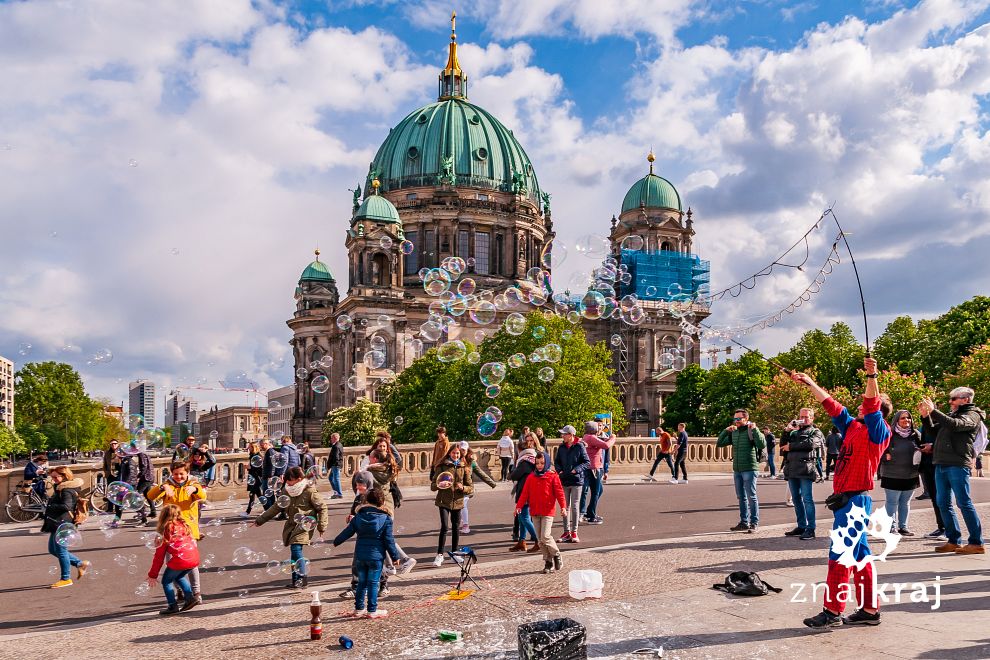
585, 584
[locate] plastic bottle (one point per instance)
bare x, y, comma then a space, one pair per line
315, 623
449, 635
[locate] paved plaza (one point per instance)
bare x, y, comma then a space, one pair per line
660, 550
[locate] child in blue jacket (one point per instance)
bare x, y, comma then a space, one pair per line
373, 528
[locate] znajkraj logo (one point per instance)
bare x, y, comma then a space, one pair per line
844, 544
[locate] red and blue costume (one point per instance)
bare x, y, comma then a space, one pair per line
863, 442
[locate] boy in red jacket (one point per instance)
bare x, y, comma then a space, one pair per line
541, 491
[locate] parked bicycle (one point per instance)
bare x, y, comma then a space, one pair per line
25, 504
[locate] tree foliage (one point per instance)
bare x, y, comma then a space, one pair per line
687, 401
974, 372
52, 404
10, 442
897, 345
835, 356
780, 402
430, 392
357, 424
943, 342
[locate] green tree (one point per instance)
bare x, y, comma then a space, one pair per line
834, 356
974, 372
430, 392
31, 435
943, 342
357, 424
10, 442
731, 385
50, 397
780, 402
896, 346
687, 401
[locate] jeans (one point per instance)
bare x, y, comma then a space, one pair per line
572, 496
65, 558
170, 578
368, 572
898, 506
595, 487
952, 481
545, 526
749, 505
451, 518
928, 478
335, 481
662, 457
295, 553
771, 461
680, 461
804, 502
526, 525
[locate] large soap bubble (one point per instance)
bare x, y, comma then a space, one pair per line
345, 322
483, 312
487, 425
592, 305
320, 384
431, 331
451, 351
68, 536
633, 242
515, 323
492, 373
546, 374
517, 360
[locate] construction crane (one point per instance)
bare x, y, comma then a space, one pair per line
714, 351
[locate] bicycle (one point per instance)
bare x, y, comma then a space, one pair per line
25, 504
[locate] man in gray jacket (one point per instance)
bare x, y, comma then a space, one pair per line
800, 440
954, 456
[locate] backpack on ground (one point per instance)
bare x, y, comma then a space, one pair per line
743, 583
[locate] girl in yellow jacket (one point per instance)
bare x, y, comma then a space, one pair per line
186, 494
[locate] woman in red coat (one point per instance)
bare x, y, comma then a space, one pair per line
541, 492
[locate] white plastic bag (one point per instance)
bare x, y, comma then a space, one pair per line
585, 584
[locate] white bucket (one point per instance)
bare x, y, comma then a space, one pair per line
585, 584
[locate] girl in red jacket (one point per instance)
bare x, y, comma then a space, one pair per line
183, 556
541, 491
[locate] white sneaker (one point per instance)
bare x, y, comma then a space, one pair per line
359, 613
465, 529
673, 481
438, 562
377, 614
389, 569
683, 481
406, 566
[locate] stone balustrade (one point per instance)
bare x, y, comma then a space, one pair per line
628, 456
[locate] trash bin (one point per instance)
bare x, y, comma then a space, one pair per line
553, 639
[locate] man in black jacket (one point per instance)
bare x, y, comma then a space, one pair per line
334, 463
799, 441
954, 456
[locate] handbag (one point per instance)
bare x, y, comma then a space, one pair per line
744, 583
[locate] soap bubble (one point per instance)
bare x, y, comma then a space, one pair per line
407, 247
214, 434
345, 322
398, 420
24, 348
487, 425
451, 351
68, 536
546, 374
320, 384
633, 242
552, 353
377, 343
357, 383
274, 406
279, 460
515, 323
135, 422
592, 305
666, 359
437, 281
307, 523
273, 567
386, 242
539, 331
301, 566
552, 255
301, 373
374, 359
466, 287
431, 331
492, 373
153, 540
616, 340
651, 291
135, 501
675, 289
117, 492
326, 361
493, 391
679, 363
483, 312
592, 246
495, 412
143, 589
454, 265
243, 556
517, 360
474, 357
634, 316
685, 343
446, 480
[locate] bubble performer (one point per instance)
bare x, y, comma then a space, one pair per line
305, 513
63, 502
180, 554
186, 494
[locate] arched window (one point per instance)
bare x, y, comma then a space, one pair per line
381, 272
316, 355
665, 246
319, 401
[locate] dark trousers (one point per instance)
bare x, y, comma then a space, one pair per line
679, 464
506, 464
665, 458
830, 464
449, 518
928, 478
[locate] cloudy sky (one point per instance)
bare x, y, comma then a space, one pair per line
166, 169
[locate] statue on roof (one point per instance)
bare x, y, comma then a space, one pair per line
446, 176
518, 183
545, 196
357, 196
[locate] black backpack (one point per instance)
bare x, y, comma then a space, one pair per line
761, 454
741, 583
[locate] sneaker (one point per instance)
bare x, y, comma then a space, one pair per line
923, 496
824, 619
347, 594
536, 547
547, 567
741, 527
684, 481
797, 531
62, 583
558, 561
753, 528
862, 618
904, 531
597, 520
574, 538
389, 569
674, 481
649, 477
293, 585
971, 549
808, 535
115, 524
190, 603
359, 613
378, 614
937, 534
82, 568
565, 537
406, 566
789, 502
383, 592
465, 529
948, 547
438, 562
171, 609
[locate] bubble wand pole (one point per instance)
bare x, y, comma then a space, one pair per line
862, 299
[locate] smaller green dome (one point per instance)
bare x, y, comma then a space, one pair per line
377, 209
652, 191
316, 272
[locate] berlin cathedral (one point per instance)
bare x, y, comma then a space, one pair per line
451, 180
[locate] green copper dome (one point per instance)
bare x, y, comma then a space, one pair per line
653, 192
316, 272
377, 209
457, 143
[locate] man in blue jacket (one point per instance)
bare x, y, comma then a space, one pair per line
571, 462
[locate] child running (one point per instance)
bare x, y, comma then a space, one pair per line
373, 528
541, 491
185, 494
183, 557
305, 513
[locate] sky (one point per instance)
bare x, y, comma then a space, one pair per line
166, 169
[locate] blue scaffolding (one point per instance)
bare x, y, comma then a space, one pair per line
662, 275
